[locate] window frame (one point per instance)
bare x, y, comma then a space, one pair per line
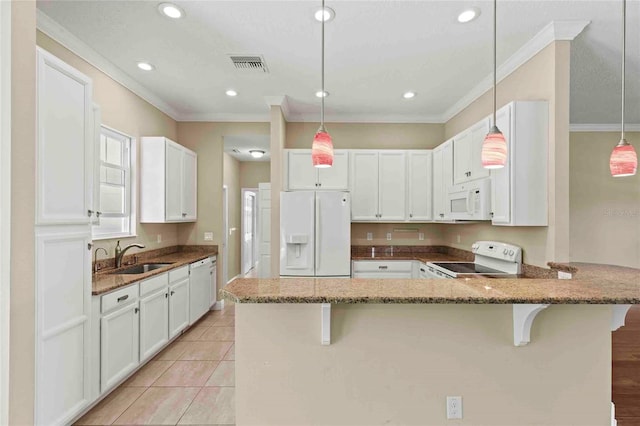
130, 184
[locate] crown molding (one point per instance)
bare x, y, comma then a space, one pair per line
368, 118
57, 32
554, 31
226, 117
282, 101
579, 127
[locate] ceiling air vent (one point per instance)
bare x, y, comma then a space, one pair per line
236, 150
251, 63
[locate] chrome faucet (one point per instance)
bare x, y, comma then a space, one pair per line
124, 250
96, 268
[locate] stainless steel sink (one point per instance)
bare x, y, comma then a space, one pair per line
141, 269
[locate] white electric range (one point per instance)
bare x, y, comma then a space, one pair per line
492, 259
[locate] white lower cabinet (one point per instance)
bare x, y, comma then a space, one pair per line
178, 307
154, 323
119, 344
199, 288
383, 269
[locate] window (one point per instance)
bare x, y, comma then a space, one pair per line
114, 186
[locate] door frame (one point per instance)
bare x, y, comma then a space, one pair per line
254, 216
225, 236
5, 204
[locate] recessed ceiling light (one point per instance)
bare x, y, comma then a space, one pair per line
409, 95
146, 66
321, 94
256, 153
469, 15
231, 93
326, 14
171, 10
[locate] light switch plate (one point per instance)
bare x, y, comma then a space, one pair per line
369, 236
388, 236
208, 236
421, 236
159, 238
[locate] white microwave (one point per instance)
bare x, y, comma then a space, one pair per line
470, 201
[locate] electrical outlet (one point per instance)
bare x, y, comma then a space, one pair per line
458, 238
159, 238
421, 236
454, 407
208, 236
388, 236
369, 236
564, 275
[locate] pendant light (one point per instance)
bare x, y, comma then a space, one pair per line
322, 148
623, 161
494, 147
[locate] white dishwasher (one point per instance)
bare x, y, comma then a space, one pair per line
199, 288
212, 282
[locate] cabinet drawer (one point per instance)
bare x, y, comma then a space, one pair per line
154, 284
119, 298
382, 275
178, 274
383, 266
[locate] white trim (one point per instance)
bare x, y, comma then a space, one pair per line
5, 204
282, 101
523, 316
254, 215
57, 32
226, 117
237, 276
225, 236
359, 118
594, 127
554, 31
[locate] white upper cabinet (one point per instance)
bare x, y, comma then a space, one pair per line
364, 185
301, 175
392, 167
519, 190
64, 143
442, 178
419, 180
467, 149
168, 182
378, 181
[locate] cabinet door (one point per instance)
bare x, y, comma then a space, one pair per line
438, 184
478, 134
420, 184
64, 148
392, 172
178, 307
154, 323
301, 173
335, 177
501, 178
173, 184
190, 185
462, 157
364, 185
119, 345
63, 301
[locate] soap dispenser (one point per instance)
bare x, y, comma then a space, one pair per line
118, 250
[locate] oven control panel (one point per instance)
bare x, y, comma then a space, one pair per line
497, 250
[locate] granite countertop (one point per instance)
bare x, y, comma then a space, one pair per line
108, 280
614, 289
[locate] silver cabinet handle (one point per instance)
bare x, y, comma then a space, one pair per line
98, 214
166, 295
89, 213
410, 214
383, 267
89, 246
184, 214
136, 310
123, 298
173, 292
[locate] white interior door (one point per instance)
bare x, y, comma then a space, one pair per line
248, 229
264, 231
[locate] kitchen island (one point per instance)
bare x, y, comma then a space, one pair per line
518, 351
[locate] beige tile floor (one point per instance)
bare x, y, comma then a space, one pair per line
191, 382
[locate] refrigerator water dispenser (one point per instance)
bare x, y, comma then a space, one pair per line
296, 243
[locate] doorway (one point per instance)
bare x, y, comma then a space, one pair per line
249, 227
225, 237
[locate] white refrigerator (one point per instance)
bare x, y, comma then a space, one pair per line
315, 234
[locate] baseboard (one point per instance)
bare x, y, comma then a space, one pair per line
237, 276
219, 305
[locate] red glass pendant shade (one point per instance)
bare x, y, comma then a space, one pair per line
494, 150
322, 150
624, 160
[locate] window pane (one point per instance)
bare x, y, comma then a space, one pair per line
112, 199
114, 151
113, 176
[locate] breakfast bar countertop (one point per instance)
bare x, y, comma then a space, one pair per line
109, 280
597, 284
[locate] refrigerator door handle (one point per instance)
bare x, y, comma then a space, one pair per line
317, 234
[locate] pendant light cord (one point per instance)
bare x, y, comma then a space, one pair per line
495, 62
624, 48
322, 72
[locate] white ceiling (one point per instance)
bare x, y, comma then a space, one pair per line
238, 146
375, 51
